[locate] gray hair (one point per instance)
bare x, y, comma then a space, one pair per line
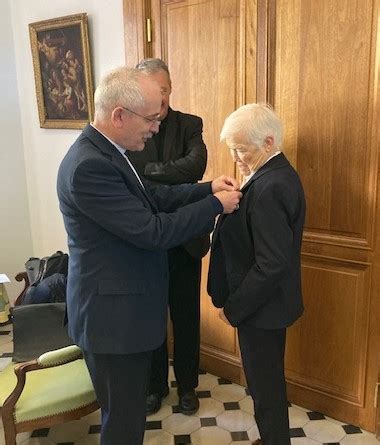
152, 66
254, 123
120, 87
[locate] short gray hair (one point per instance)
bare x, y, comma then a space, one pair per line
152, 66
254, 123
119, 87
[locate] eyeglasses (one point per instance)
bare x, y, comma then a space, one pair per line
151, 120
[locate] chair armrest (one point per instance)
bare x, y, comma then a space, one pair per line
60, 356
19, 277
46, 360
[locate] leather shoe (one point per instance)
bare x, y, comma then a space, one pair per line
188, 403
153, 402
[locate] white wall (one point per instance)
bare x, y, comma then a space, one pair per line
43, 149
15, 234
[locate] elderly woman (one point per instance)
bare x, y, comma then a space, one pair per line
254, 273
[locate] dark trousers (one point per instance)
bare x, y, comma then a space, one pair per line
120, 383
262, 352
184, 305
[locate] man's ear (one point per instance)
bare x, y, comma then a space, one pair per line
117, 117
269, 142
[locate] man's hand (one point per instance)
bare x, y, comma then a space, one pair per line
229, 200
224, 183
223, 317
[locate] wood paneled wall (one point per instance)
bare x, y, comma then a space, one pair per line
326, 91
317, 63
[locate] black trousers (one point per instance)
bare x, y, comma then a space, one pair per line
120, 383
184, 305
262, 352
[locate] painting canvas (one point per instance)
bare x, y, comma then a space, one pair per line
62, 71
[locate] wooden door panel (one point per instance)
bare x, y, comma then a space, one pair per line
336, 316
202, 74
327, 103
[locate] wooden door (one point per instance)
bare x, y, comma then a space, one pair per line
203, 43
318, 64
213, 72
217, 53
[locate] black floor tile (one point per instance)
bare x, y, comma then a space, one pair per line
297, 432
313, 415
208, 421
228, 406
239, 435
153, 425
43, 432
182, 439
351, 429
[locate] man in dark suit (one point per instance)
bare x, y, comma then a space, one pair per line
119, 229
176, 155
254, 273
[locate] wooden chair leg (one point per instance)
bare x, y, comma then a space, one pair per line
9, 430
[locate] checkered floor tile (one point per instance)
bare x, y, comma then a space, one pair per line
224, 418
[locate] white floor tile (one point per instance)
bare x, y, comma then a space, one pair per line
177, 424
211, 435
228, 393
235, 420
324, 431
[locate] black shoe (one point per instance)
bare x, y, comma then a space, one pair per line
153, 402
188, 403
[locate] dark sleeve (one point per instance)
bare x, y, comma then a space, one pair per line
170, 197
188, 168
272, 237
100, 192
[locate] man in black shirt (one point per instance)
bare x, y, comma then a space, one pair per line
176, 155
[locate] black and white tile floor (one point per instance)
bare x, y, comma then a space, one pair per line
225, 417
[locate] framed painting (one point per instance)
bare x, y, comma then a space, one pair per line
62, 71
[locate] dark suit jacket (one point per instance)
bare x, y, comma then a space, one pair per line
255, 253
118, 238
183, 161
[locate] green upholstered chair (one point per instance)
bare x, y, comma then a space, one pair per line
52, 389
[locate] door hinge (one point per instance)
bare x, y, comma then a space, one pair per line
148, 30
375, 400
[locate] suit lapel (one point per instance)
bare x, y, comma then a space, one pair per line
278, 161
111, 152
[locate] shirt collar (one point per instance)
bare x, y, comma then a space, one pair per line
247, 178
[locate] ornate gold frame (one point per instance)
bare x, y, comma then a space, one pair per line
82, 114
